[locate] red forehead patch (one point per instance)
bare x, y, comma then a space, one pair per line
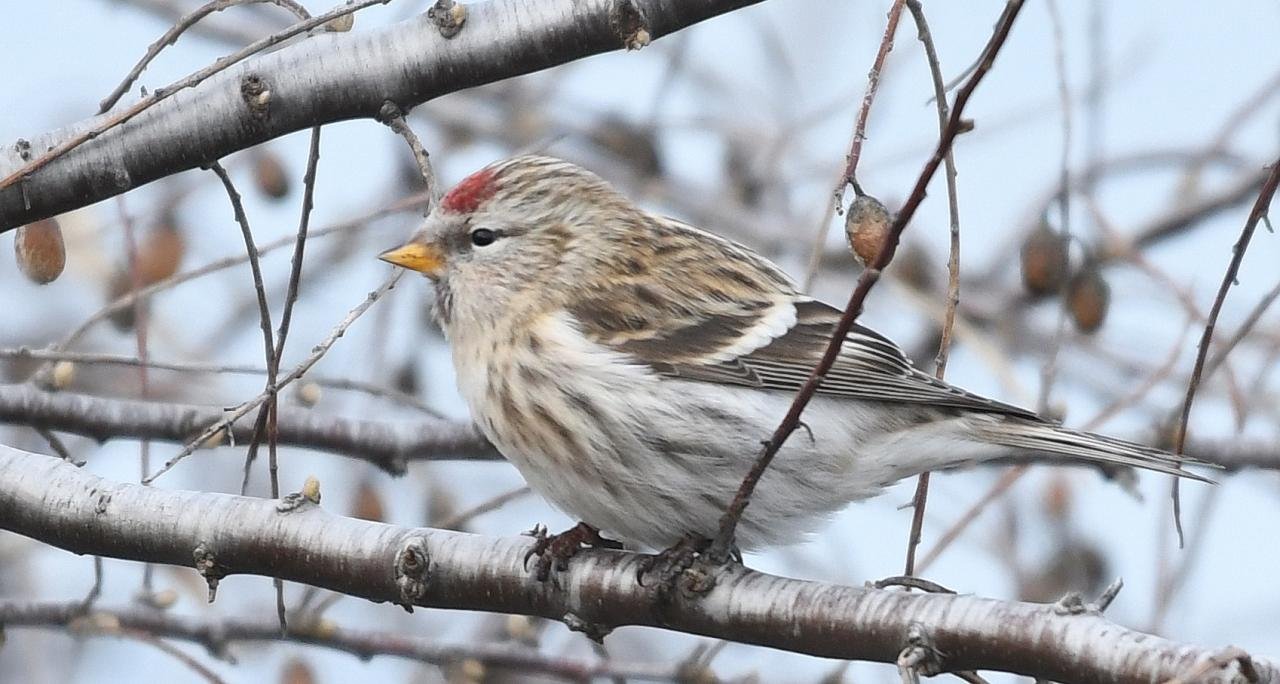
465, 197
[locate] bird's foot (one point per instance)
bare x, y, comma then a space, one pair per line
554, 550
690, 560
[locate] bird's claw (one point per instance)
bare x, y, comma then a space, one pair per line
554, 550
689, 559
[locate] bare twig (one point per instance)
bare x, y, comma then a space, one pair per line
266, 414
298, 371
108, 122
85, 358
461, 518
218, 634
389, 445
179, 27
921, 497
723, 543
1260, 208
393, 117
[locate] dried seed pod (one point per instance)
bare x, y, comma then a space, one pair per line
1044, 261
121, 284
866, 224
741, 174
630, 143
160, 253
407, 378
368, 503
1088, 297
1057, 498
297, 671
40, 251
916, 267
270, 176
309, 394
64, 373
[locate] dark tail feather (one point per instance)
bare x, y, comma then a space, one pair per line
1086, 446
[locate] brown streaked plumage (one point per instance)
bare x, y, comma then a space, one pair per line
629, 365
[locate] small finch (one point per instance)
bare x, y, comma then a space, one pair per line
629, 365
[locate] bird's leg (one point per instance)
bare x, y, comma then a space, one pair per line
671, 564
555, 550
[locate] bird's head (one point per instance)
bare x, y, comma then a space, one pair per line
517, 227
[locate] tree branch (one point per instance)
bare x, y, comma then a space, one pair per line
388, 445
219, 534
217, 634
322, 79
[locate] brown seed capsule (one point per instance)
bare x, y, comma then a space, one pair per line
121, 284
309, 394
297, 671
40, 252
1088, 297
160, 253
270, 176
1057, 498
368, 503
1044, 261
634, 144
866, 224
64, 373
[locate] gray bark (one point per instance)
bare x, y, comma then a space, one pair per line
322, 79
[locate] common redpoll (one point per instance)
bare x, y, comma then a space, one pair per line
629, 365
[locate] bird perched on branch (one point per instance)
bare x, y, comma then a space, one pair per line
630, 365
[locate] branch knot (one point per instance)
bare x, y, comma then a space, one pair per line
412, 569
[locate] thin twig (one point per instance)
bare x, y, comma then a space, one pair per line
457, 520
1049, 369
264, 317
179, 27
85, 358
723, 543
142, 319
317, 353
921, 498
393, 117
1260, 208
217, 634
109, 122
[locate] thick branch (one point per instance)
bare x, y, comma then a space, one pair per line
387, 445
59, 504
327, 78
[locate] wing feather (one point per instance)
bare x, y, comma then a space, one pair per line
870, 366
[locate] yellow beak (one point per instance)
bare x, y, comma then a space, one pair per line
422, 257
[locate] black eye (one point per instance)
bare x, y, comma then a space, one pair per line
483, 236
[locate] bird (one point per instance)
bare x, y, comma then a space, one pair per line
629, 365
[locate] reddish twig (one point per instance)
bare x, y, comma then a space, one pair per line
721, 547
